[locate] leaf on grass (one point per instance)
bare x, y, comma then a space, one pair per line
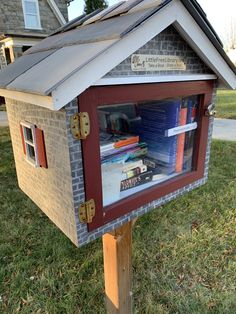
195, 226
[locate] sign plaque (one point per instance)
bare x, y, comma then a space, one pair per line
148, 63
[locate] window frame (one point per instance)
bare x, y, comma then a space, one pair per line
94, 97
27, 26
26, 125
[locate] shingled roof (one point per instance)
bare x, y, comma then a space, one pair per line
83, 50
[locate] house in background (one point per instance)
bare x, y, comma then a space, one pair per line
23, 23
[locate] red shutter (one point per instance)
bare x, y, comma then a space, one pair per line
41, 148
22, 138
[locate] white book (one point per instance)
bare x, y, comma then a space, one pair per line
131, 165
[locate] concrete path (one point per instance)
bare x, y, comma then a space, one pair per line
3, 118
224, 129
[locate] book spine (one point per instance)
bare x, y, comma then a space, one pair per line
126, 141
106, 147
136, 171
173, 147
136, 180
181, 141
151, 163
132, 165
139, 153
189, 137
114, 151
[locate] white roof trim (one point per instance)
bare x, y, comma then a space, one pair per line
57, 12
90, 73
153, 79
174, 13
43, 101
117, 52
200, 43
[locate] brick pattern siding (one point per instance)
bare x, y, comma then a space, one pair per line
168, 42
51, 188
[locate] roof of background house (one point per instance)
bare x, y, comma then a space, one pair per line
91, 36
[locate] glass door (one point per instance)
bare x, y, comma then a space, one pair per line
146, 141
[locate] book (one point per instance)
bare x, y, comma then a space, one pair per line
136, 171
189, 137
157, 166
138, 153
150, 162
124, 141
126, 155
159, 176
136, 181
181, 141
157, 117
113, 150
132, 165
106, 147
110, 142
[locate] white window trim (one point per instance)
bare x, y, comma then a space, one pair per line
27, 143
37, 12
57, 12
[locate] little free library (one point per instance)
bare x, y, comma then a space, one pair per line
111, 115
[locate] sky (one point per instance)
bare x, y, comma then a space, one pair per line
220, 14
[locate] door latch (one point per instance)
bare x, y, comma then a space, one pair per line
210, 111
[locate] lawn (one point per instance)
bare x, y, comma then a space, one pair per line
226, 104
184, 253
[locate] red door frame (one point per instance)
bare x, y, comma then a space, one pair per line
105, 95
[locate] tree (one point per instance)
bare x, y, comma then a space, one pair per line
231, 34
92, 5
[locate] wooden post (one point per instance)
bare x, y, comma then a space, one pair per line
117, 249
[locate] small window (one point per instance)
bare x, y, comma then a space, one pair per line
31, 14
33, 144
29, 139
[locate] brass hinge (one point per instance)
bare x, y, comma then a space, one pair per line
80, 125
87, 211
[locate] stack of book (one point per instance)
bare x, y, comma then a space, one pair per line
131, 153
120, 148
154, 152
156, 119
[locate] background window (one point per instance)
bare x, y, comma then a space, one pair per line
31, 14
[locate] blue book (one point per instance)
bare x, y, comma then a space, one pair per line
157, 117
189, 112
189, 137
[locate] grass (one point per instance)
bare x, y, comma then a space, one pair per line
226, 104
184, 253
